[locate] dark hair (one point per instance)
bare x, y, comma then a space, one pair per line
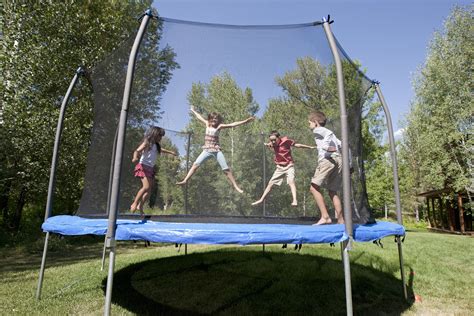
212, 115
274, 133
318, 116
151, 136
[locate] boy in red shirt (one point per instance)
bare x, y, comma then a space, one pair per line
284, 164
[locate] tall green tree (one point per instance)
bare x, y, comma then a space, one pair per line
43, 44
313, 86
438, 143
209, 190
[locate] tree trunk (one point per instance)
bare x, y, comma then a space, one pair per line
4, 197
20, 203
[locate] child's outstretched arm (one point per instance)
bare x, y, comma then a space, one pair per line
304, 146
169, 152
238, 123
198, 116
138, 152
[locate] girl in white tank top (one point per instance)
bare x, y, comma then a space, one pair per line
145, 157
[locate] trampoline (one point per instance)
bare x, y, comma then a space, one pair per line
220, 233
169, 70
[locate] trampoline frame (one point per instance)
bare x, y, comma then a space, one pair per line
110, 240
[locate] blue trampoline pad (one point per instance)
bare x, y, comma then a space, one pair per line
219, 233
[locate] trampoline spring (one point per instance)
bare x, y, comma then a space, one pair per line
378, 242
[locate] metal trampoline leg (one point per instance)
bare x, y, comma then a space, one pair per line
402, 269
346, 245
110, 281
43, 262
104, 253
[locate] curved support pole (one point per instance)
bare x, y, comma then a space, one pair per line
393, 153
57, 142
346, 184
396, 188
346, 181
52, 174
114, 196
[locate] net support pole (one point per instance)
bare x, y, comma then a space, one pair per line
186, 191
52, 174
111, 173
396, 187
346, 189
114, 198
264, 185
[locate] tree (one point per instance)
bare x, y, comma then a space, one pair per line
438, 144
209, 191
43, 44
313, 86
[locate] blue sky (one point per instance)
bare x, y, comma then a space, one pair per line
389, 37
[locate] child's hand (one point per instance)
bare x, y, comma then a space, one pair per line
332, 149
134, 160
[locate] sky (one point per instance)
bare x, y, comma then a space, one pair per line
390, 38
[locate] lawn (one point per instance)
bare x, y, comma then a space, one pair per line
242, 280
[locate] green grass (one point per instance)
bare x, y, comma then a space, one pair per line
242, 280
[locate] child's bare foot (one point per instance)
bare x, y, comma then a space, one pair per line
239, 190
181, 182
340, 220
294, 203
324, 221
133, 208
257, 202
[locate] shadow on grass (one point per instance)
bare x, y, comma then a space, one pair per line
61, 251
248, 282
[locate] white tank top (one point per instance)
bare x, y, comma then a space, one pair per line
149, 156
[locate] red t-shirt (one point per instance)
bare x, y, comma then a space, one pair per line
283, 151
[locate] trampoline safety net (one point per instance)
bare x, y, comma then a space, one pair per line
278, 74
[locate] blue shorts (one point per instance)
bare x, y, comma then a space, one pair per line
216, 154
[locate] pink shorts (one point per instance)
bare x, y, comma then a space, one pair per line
142, 171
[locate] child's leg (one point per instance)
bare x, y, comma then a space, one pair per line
189, 175
200, 159
292, 185
337, 206
267, 190
221, 160
145, 196
318, 197
145, 188
230, 176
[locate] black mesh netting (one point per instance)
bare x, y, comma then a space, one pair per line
276, 73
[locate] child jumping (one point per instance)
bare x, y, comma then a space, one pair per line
329, 170
146, 155
284, 164
211, 146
